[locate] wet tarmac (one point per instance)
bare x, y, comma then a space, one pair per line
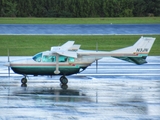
118, 91
79, 29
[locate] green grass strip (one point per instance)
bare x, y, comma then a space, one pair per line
28, 45
118, 20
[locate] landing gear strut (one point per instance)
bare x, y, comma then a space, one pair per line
64, 82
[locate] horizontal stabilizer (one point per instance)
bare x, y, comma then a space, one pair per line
136, 60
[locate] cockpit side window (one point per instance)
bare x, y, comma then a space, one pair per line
37, 57
71, 60
49, 58
62, 58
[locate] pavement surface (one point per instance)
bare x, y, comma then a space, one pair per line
81, 29
117, 91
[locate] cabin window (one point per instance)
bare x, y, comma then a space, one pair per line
37, 57
62, 58
48, 58
53, 58
71, 60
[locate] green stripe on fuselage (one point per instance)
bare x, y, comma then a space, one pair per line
45, 70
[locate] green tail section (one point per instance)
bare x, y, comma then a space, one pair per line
136, 60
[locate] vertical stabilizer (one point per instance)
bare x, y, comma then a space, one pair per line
143, 45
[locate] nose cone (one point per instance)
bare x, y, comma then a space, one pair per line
7, 64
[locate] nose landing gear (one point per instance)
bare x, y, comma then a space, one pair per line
24, 81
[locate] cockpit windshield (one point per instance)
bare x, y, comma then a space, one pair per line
37, 57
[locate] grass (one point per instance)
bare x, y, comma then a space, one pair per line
122, 20
25, 45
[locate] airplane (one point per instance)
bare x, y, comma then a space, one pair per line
69, 59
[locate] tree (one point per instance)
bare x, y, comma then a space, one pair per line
79, 8
139, 8
10, 9
2, 8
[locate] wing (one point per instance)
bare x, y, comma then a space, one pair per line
75, 47
68, 53
64, 49
67, 45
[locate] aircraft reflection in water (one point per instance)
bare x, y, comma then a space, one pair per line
130, 104
68, 59
63, 86
56, 95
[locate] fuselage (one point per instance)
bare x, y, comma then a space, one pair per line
42, 64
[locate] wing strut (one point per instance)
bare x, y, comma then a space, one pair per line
57, 64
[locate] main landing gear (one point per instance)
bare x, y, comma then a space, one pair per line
64, 82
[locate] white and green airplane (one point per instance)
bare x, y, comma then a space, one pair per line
69, 59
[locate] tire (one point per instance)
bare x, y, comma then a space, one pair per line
63, 80
23, 80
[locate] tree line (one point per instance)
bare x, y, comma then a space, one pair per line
79, 8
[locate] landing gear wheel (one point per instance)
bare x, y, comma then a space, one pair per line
24, 80
63, 80
64, 86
